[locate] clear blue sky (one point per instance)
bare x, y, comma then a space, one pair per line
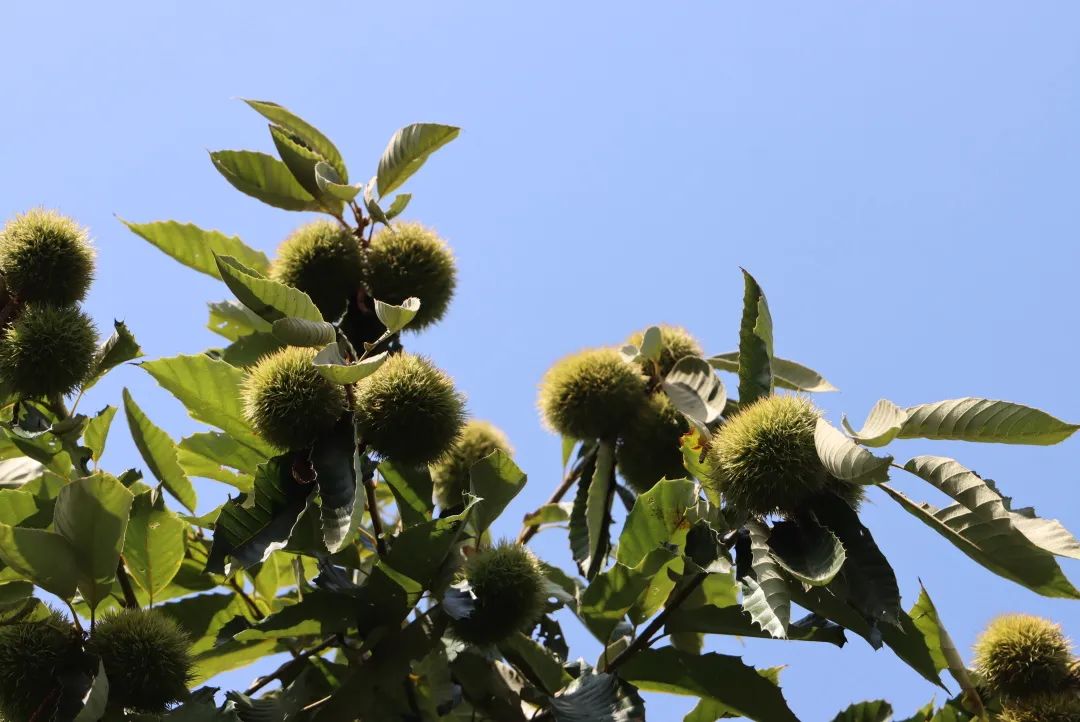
901, 178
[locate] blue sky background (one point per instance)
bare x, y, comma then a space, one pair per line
900, 177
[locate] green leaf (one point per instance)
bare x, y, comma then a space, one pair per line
601, 493
988, 535
329, 183
695, 390
245, 352
332, 457
662, 515
44, 557
372, 205
94, 699
786, 374
223, 450
210, 390
394, 317
234, 320
606, 601
806, 550
408, 149
302, 332
495, 480
92, 514
322, 613
398, 206
269, 299
154, 546
196, 247
846, 460
250, 527
159, 453
766, 596
548, 514
301, 162
925, 616
882, 425
307, 133
121, 346
971, 419
538, 664
97, 431
733, 620
264, 177
596, 697
877, 711
332, 365
412, 489
866, 581
755, 344
720, 677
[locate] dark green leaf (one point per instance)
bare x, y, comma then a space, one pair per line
755, 344
598, 697
412, 490
332, 456
806, 550
786, 374
600, 494
877, 711
765, 593
307, 133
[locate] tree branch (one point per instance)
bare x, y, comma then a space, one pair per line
572, 476
130, 600
373, 511
280, 671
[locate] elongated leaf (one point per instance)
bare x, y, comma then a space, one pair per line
154, 544
251, 527
991, 539
882, 425
121, 346
786, 374
733, 620
765, 593
408, 149
44, 557
398, 317
548, 514
263, 177
578, 530
301, 332
972, 419
332, 456
925, 616
866, 581
495, 480
90, 697
412, 489
196, 247
223, 450
877, 711
332, 365
662, 515
806, 550
539, 665
97, 431
755, 344
397, 207
269, 299
301, 162
598, 696
211, 392
606, 601
245, 352
234, 320
601, 492
695, 390
159, 453
726, 679
92, 514
307, 133
846, 460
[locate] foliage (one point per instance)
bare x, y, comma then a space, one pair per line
358, 534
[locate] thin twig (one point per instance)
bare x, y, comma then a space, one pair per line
255, 611
373, 511
644, 639
300, 657
572, 476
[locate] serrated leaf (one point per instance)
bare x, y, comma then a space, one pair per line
660, 516
733, 620
159, 453
786, 374
876, 711
606, 601
332, 456
154, 545
695, 390
846, 460
495, 480
269, 299
408, 149
301, 162
196, 247
882, 425
394, 317
303, 332
578, 531
755, 344
250, 527
925, 616
988, 535
726, 679
265, 178
593, 697
92, 515
121, 346
601, 492
97, 431
234, 320
332, 365
986, 420
311, 136
806, 550
765, 593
